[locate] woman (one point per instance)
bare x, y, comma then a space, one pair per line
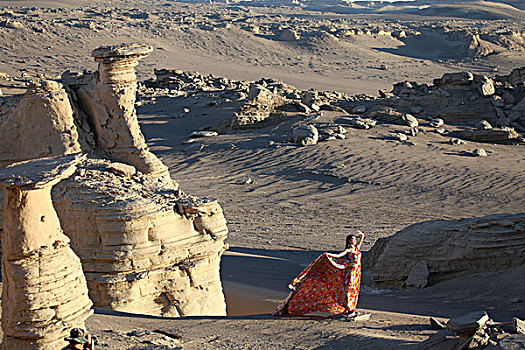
329, 284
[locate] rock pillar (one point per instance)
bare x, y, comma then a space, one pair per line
109, 101
44, 290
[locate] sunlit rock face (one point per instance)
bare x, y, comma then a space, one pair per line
44, 291
144, 245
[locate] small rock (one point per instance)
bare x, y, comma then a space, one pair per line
301, 107
341, 130
271, 143
486, 87
203, 133
195, 147
479, 152
362, 123
383, 67
248, 181
413, 132
138, 333
186, 110
410, 120
440, 131
437, 122
454, 141
308, 141
121, 169
315, 107
483, 125
400, 137
340, 136
362, 317
359, 109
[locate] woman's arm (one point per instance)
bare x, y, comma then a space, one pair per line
338, 255
361, 239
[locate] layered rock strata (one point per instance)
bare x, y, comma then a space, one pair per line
46, 105
449, 249
144, 245
144, 248
44, 290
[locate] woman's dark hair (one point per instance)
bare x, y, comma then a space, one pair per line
349, 240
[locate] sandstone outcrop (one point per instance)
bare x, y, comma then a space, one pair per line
144, 248
44, 290
107, 97
144, 245
45, 104
449, 249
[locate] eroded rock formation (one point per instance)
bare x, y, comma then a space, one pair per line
107, 97
449, 249
144, 245
39, 124
44, 290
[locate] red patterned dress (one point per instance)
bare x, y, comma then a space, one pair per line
329, 284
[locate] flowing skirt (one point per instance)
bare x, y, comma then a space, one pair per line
328, 284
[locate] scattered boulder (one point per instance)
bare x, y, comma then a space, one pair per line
479, 152
468, 324
301, 107
497, 101
486, 87
410, 120
462, 78
203, 133
519, 325
483, 125
436, 324
438, 122
306, 135
361, 123
400, 137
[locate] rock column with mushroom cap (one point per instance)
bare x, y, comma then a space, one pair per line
44, 292
109, 101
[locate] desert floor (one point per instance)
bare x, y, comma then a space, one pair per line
303, 200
